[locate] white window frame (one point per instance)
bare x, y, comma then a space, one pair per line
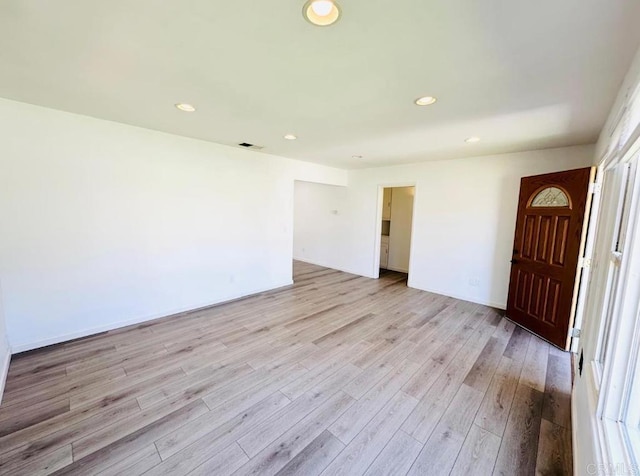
611, 206
624, 186
618, 375
617, 384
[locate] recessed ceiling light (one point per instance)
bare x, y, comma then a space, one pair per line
356, 156
290, 137
185, 107
425, 101
473, 139
321, 12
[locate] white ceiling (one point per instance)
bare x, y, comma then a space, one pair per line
520, 74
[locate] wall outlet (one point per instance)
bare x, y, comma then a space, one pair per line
474, 282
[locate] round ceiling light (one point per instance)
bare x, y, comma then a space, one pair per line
290, 136
185, 107
471, 140
425, 101
321, 12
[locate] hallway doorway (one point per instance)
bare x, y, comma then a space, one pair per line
396, 223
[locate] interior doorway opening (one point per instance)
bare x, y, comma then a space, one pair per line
395, 230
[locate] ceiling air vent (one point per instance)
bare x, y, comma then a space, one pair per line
246, 145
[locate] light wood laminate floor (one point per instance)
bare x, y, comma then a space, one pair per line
337, 374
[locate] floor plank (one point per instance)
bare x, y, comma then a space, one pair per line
397, 457
557, 394
365, 448
441, 449
262, 435
356, 418
554, 450
224, 463
519, 446
534, 370
336, 374
49, 463
315, 457
222, 422
478, 454
136, 464
279, 453
495, 408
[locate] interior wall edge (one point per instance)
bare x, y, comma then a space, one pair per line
137, 320
165, 223
331, 266
5, 348
497, 305
4, 370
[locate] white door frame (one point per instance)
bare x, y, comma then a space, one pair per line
585, 254
378, 226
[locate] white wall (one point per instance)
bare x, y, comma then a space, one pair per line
318, 225
106, 224
464, 219
465, 213
400, 234
110, 224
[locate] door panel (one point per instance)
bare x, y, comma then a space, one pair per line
561, 237
545, 253
546, 227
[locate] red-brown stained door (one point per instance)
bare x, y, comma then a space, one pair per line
546, 252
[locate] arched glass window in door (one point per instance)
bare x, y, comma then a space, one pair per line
550, 197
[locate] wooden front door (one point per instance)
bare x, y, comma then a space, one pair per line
546, 251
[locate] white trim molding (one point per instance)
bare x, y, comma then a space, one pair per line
4, 371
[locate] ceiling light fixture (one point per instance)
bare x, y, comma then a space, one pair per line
185, 107
425, 101
471, 140
356, 157
290, 137
321, 12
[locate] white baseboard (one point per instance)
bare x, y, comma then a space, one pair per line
497, 305
4, 370
137, 320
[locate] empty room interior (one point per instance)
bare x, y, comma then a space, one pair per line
320, 237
